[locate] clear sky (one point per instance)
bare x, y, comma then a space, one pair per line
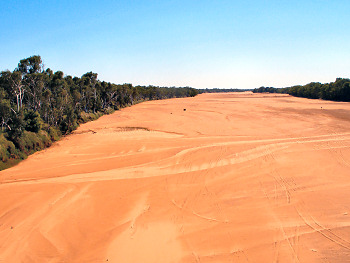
202, 44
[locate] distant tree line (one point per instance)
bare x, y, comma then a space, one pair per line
215, 90
336, 91
38, 106
268, 90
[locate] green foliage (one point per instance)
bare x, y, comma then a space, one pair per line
30, 65
30, 142
9, 163
16, 126
9, 154
69, 121
5, 113
108, 111
54, 134
215, 90
33, 121
44, 138
7, 149
337, 91
86, 117
266, 89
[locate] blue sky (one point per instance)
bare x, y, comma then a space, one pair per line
203, 44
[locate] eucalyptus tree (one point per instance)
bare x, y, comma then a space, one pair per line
90, 92
12, 83
30, 65
5, 110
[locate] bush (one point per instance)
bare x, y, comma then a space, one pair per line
33, 121
6, 147
54, 134
45, 138
9, 155
86, 117
31, 142
108, 111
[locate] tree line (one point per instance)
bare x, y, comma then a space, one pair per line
38, 106
216, 90
336, 91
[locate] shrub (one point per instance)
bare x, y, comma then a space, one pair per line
9, 155
45, 138
86, 117
5, 146
33, 121
54, 134
31, 142
108, 111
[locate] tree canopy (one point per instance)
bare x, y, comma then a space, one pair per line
337, 91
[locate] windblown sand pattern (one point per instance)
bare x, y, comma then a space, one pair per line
236, 177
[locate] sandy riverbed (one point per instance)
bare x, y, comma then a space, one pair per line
236, 177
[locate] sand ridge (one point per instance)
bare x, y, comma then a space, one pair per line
237, 177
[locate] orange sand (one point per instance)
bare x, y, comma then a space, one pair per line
234, 178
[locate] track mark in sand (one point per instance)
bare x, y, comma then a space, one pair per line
284, 184
329, 232
296, 240
277, 247
209, 218
156, 169
292, 243
339, 156
133, 225
232, 159
198, 215
264, 191
142, 170
175, 204
294, 252
270, 159
344, 161
273, 142
145, 170
277, 244
310, 221
140, 208
202, 194
196, 257
259, 151
62, 196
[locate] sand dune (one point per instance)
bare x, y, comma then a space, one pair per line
236, 177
